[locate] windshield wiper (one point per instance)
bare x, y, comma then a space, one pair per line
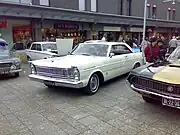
85, 54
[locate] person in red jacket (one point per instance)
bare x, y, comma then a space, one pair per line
152, 51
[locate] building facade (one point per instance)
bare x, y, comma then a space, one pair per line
85, 19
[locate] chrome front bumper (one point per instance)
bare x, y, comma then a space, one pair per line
61, 83
7, 71
141, 91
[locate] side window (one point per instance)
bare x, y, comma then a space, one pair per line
33, 47
120, 49
38, 47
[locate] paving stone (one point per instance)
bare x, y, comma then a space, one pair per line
89, 120
103, 128
54, 118
89, 132
68, 129
107, 115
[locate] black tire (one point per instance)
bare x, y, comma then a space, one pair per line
93, 85
16, 74
49, 86
28, 58
147, 99
136, 65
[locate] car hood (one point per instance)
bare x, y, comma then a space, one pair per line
68, 61
8, 59
167, 73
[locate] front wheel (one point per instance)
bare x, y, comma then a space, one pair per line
147, 99
93, 85
49, 86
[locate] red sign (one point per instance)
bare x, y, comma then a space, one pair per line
3, 24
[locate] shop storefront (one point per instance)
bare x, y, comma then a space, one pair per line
112, 33
135, 33
16, 31
50, 31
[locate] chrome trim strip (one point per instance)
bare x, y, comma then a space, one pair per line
62, 83
153, 93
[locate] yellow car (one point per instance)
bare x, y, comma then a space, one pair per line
159, 81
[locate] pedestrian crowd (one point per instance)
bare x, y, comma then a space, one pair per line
155, 48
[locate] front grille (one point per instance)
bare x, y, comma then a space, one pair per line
155, 86
60, 73
5, 65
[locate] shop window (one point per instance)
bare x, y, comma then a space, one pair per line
154, 11
129, 7
148, 10
169, 14
174, 14
82, 5
94, 5
18, 46
44, 2
22, 34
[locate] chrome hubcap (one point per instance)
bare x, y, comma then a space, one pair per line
94, 83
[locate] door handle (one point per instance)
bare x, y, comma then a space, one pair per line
126, 56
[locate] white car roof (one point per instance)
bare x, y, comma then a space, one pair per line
107, 43
44, 42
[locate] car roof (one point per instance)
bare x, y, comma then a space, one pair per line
107, 43
44, 42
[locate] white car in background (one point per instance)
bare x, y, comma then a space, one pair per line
87, 66
42, 50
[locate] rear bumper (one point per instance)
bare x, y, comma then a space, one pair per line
142, 91
57, 82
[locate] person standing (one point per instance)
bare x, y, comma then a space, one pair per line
172, 44
152, 51
162, 49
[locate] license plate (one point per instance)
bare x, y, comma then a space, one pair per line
49, 83
171, 103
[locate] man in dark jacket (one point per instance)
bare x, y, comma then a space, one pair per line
162, 49
152, 51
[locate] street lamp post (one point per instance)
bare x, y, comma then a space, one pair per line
144, 30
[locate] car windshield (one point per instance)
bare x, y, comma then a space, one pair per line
175, 54
91, 50
4, 52
49, 47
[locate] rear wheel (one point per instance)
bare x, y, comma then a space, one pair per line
93, 85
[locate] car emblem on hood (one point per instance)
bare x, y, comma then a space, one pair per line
170, 89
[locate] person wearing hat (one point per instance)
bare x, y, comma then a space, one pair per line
152, 51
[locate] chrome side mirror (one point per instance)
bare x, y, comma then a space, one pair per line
111, 55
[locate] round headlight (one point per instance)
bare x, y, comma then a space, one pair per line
13, 67
76, 74
33, 69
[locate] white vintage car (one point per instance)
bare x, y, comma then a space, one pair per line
87, 66
41, 50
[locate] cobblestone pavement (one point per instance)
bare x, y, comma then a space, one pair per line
29, 108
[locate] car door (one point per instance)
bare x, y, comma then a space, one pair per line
39, 52
32, 52
117, 62
128, 57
